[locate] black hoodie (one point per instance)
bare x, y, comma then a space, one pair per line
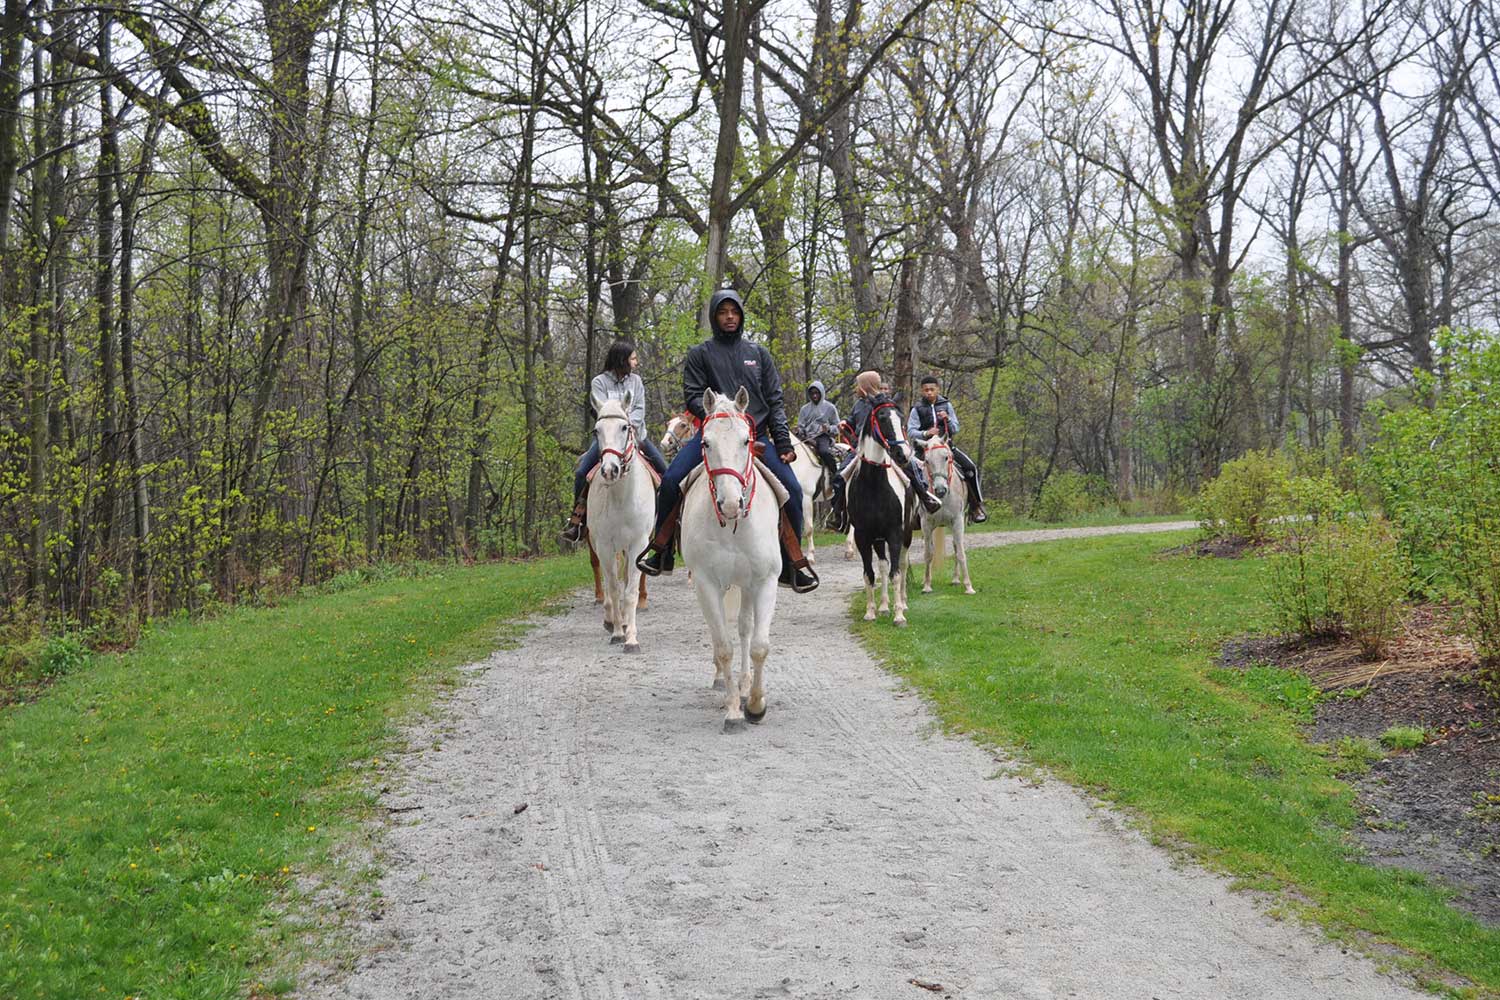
725, 363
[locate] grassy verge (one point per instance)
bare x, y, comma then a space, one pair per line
1095, 659
164, 808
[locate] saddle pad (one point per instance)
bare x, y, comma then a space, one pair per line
766, 475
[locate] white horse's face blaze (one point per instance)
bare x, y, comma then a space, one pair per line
726, 445
612, 431
938, 473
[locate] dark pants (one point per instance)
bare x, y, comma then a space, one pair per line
968, 470
691, 454
590, 458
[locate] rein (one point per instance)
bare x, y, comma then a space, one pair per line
879, 432
746, 477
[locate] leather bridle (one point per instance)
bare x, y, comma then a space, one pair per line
746, 477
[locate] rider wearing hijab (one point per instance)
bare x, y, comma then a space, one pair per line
872, 394
726, 363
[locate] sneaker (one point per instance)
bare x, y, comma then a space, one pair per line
977, 515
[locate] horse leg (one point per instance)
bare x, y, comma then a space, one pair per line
764, 605
598, 590
642, 603
809, 539
883, 583
628, 587
746, 626
613, 604
898, 571
927, 556
711, 601
849, 546
865, 555
961, 557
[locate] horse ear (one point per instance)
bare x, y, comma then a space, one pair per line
596, 402
708, 400
629, 396
741, 398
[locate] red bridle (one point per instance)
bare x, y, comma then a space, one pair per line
879, 432
629, 452
746, 477
941, 445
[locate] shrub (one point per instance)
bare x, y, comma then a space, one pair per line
1335, 576
1369, 581
1479, 574
1065, 495
1248, 495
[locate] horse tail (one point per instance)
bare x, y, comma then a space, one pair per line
936, 555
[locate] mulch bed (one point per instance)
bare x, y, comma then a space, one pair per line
1434, 809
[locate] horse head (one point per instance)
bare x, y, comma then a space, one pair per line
615, 434
728, 453
938, 457
679, 429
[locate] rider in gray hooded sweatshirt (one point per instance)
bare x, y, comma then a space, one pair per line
818, 422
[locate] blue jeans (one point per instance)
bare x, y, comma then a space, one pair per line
691, 454
590, 458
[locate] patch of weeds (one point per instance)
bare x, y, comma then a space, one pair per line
1353, 755
1286, 689
1486, 808
1404, 737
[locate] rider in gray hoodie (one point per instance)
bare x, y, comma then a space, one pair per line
818, 422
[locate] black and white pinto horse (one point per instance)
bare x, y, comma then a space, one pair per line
881, 512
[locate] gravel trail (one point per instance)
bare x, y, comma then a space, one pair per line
844, 848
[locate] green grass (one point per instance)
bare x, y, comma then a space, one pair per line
166, 812
1404, 737
1094, 659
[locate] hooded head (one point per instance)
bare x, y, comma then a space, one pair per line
867, 383
720, 297
815, 391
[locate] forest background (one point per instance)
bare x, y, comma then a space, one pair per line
297, 286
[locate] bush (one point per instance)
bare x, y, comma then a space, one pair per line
1437, 470
1369, 580
1339, 576
1248, 495
1404, 737
1067, 495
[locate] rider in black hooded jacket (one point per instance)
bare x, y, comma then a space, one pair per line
726, 362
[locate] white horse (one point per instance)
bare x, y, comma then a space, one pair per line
954, 492
621, 511
813, 478
729, 540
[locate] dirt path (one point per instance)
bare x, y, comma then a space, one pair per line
842, 849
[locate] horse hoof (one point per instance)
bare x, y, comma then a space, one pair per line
970, 590
926, 590
734, 726
598, 600
755, 717
899, 622
718, 684
632, 647
615, 640
609, 626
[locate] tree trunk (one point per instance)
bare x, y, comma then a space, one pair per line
104, 280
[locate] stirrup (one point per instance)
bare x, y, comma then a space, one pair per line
654, 562
801, 579
573, 533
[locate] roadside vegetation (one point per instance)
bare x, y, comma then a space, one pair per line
171, 811
1096, 660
